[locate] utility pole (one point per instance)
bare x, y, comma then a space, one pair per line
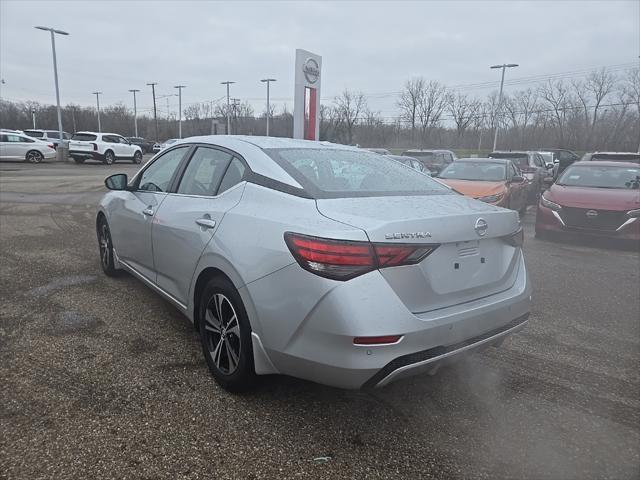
227, 83
33, 117
135, 111
268, 81
504, 66
97, 94
179, 87
53, 31
155, 111
235, 102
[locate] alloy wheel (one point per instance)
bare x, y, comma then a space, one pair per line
34, 157
108, 158
105, 247
222, 334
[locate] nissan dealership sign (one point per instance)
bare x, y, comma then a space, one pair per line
306, 107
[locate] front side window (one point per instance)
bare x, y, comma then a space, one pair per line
157, 176
601, 177
204, 172
334, 173
13, 139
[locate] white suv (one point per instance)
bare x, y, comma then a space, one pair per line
106, 147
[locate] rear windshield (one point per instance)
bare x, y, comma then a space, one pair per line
622, 157
482, 171
326, 173
520, 159
34, 134
84, 137
422, 155
600, 177
53, 134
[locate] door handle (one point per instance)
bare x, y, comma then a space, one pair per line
148, 211
206, 222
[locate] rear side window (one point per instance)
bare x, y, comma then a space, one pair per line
334, 173
204, 172
84, 137
157, 176
233, 175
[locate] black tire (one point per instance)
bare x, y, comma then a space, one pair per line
137, 157
105, 247
34, 156
109, 157
78, 160
225, 342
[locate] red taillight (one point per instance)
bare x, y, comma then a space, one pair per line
95, 146
51, 145
346, 259
385, 339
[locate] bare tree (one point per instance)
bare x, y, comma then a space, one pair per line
430, 108
410, 99
348, 108
557, 96
462, 110
600, 84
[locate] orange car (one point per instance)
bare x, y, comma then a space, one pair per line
495, 181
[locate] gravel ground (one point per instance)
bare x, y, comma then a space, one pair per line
101, 378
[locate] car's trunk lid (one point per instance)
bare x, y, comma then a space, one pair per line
465, 266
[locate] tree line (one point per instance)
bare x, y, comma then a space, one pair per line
600, 111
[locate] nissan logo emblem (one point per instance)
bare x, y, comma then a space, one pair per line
481, 227
311, 70
591, 213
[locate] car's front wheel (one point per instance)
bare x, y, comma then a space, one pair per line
137, 157
109, 157
34, 156
225, 334
105, 245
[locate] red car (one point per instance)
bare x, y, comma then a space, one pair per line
594, 198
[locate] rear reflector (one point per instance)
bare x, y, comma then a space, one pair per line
386, 339
346, 259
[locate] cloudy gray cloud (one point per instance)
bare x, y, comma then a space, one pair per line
368, 46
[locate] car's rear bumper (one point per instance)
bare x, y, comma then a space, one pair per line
49, 154
548, 221
320, 348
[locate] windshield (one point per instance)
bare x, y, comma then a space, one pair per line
622, 157
34, 134
601, 177
83, 137
329, 173
482, 171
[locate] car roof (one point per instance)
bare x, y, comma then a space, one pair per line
428, 150
484, 159
605, 163
613, 153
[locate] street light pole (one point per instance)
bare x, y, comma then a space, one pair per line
135, 111
179, 87
97, 94
268, 81
227, 83
155, 111
53, 31
504, 66
33, 117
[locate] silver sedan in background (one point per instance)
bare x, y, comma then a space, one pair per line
320, 261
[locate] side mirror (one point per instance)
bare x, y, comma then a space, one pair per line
116, 182
517, 179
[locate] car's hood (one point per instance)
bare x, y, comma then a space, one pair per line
596, 198
475, 188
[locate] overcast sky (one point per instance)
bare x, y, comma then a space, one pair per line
369, 46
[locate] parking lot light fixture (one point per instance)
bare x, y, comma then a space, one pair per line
179, 87
268, 81
135, 111
53, 31
504, 66
97, 94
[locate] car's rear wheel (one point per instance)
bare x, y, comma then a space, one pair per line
137, 157
34, 156
105, 245
109, 157
225, 334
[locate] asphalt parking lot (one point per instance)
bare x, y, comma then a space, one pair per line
101, 378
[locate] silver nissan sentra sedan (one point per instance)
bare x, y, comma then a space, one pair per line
320, 261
